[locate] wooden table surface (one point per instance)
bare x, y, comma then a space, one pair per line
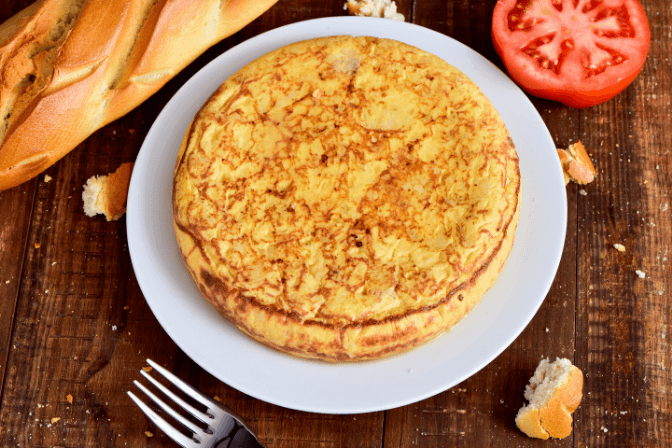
76, 329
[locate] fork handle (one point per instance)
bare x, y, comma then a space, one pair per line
236, 436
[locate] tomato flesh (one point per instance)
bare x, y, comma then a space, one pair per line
579, 52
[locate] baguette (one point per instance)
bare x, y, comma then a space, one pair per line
554, 393
69, 67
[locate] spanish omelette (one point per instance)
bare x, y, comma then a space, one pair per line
346, 198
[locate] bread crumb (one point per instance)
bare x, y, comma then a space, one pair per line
107, 195
576, 165
149, 434
37, 245
47, 178
583, 192
55, 419
386, 9
547, 330
69, 398
216, 397
640, 274
619, 247
147, 369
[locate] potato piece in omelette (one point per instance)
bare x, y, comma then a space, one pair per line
346, 198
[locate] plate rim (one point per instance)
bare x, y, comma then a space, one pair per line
302, 30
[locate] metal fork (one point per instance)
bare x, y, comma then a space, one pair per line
223, 427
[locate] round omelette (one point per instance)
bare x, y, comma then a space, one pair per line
346, 198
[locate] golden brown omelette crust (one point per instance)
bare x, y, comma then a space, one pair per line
346, 198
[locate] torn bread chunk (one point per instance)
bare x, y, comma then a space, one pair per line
576, 164
107, 194
554, 393
386, 9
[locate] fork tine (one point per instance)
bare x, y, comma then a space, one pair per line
186, 406
193, 393
173, 413
166, 427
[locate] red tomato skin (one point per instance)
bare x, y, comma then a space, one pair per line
571, 92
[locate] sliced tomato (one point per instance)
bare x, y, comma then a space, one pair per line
578, 52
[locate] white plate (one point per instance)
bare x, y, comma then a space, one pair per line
347, 388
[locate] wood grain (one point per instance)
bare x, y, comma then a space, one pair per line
76, 328
14, 225
623, 318
72, 293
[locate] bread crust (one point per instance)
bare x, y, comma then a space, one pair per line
69, 67
327, 322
